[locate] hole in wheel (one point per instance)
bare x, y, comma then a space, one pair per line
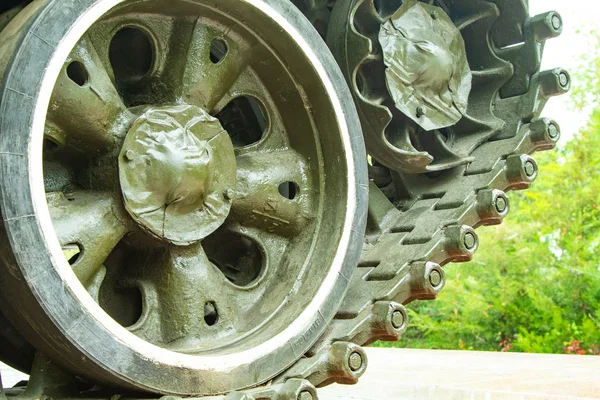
218, 50
77, 72
239, 258
123, 303
131, 55
211, 316
50, 145
72, 252
245, 119
289, 190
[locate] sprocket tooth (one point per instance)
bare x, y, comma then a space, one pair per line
439, 149
492, 73
401, 151
365, 18
362, 46
479, 11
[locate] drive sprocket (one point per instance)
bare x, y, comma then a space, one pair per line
425, 205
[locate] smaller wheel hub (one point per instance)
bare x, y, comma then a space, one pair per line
427, 74
175, 168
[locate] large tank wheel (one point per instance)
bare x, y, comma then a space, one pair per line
183, 189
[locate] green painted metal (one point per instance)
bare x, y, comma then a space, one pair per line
419, 222
427, 73
176, 167
189, 174
210, 213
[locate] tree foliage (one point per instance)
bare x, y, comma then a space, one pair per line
535, 284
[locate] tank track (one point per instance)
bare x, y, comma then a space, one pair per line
414, 229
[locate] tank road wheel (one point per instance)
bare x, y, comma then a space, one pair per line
170, 150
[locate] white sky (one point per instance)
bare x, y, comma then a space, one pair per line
566, 51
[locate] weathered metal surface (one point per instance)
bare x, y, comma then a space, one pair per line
176, 169
417, 222
427, 73
285, 170
393, 138
156, 109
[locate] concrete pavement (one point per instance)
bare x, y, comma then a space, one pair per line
400, 374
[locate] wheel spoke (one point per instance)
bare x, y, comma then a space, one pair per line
274, 192
85, 103
144, 56
255, 262
214, 64
192, 298
88, 226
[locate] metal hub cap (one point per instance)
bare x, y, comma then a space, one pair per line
175, 167
427, 73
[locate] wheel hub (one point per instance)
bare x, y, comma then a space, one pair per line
176, 167
427, 73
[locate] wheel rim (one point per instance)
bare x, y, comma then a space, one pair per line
258, 349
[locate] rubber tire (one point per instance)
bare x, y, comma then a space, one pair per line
29, 281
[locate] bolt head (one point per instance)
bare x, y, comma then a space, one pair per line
229, 194
355, 361
130, 155
433, 15
397, 319
554, 82
529, 168
420, 111
306, 395
553, 131
470, 240
435, 278
563, 79
501, 204
556, 22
